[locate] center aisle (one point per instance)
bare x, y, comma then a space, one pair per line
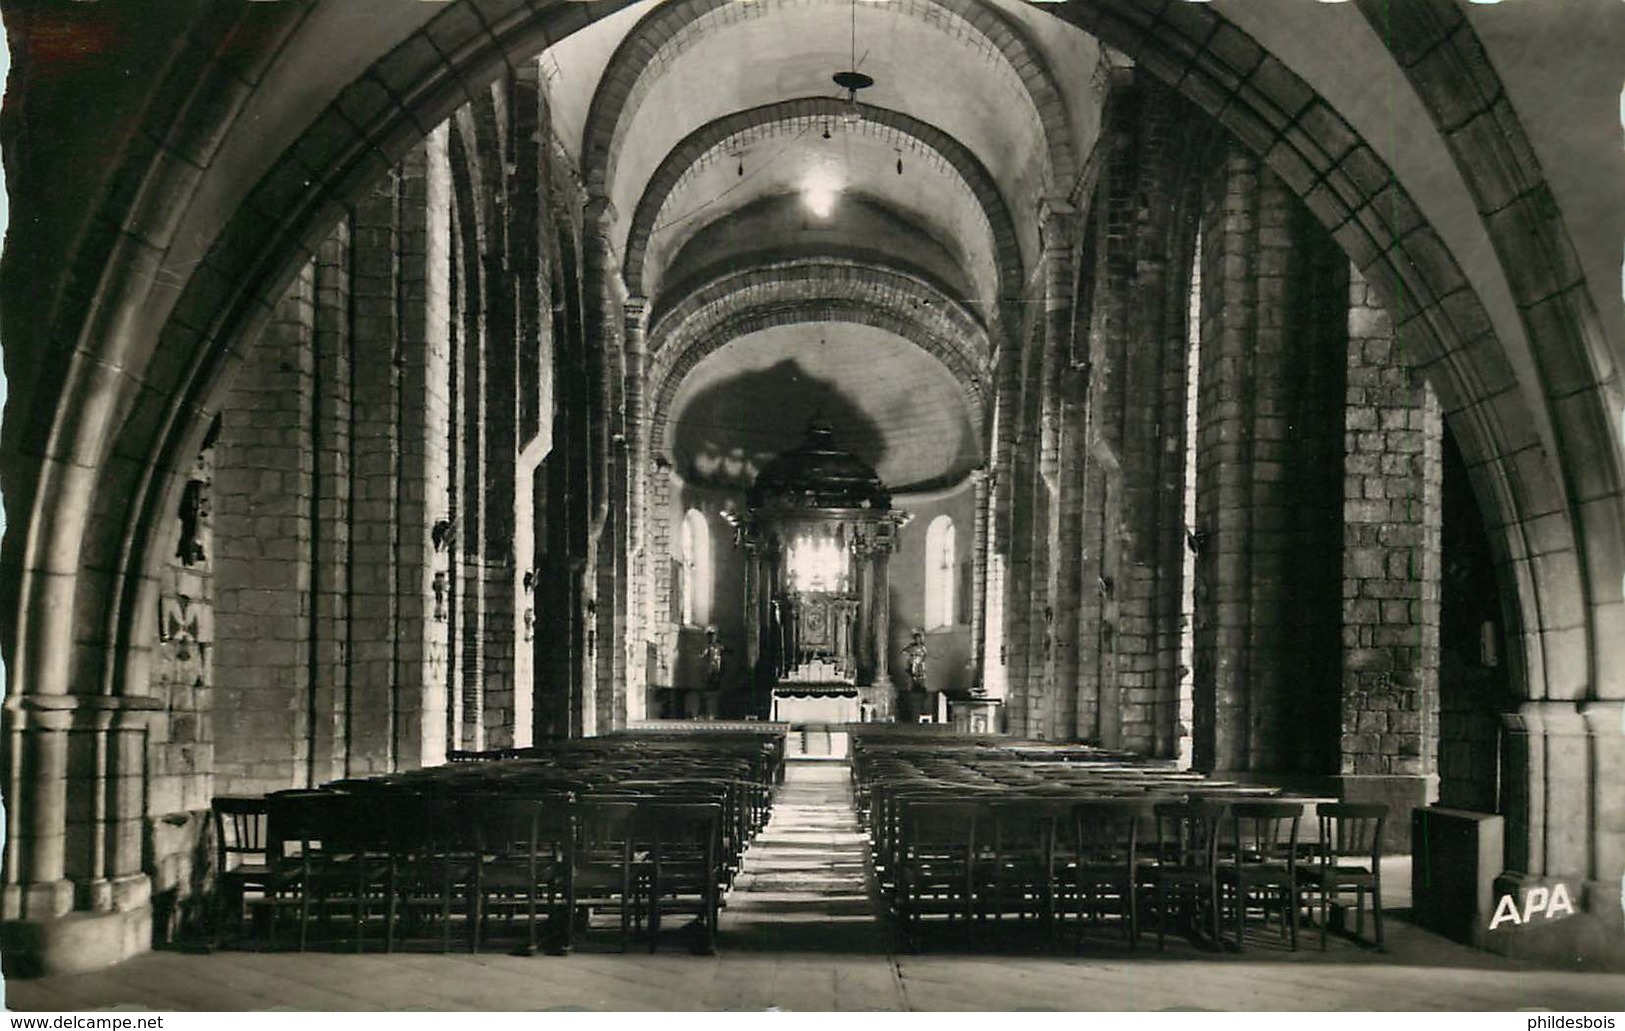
804, 901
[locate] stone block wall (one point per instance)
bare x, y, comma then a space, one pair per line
263, 488
1392, 513
1268, 496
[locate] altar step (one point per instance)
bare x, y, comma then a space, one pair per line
816, 742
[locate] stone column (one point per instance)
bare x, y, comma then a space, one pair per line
603, 657
635, 582
979, 570
866, 604
882, 616
1392, 512
422, 692
1269, 495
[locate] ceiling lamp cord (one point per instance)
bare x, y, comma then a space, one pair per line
851, 80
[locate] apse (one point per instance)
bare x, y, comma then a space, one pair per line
894, 406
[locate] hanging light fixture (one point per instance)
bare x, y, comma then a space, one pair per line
851, 80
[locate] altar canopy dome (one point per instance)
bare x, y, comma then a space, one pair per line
817, 474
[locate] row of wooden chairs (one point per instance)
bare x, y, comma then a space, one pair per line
423, 865
1051, 862
538, 840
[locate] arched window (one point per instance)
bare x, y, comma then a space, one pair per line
695, 539
940, 569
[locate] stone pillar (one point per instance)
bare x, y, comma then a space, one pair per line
635, 582
979, 568
1392, 513
375, 631
424, 563
1269, 498
1605, 879
1059, 553
330, 538
881, 562
603, 689
753, 612
37, 888
866, 647
495, 561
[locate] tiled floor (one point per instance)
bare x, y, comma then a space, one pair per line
799, 933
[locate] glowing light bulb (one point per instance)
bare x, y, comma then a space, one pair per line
819, 190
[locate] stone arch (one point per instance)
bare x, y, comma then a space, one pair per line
809, 290
639, 49
1267, 106
1445, 62
698, 143
1354, 194
143, 374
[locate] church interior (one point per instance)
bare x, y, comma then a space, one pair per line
850, 422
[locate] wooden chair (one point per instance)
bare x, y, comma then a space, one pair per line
683, 869
1186, 865
434, 853
1105, 861
1019, 876
524, 864
240, 864
936, 858
1262, 864
326, 851
603, 872
1349, 831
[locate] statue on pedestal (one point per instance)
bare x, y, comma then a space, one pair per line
914, 656
712, 656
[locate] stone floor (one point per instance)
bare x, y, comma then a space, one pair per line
800, 933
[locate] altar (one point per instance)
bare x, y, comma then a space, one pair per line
801, 704
818, 530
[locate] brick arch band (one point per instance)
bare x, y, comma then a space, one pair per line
93, 465
693, 148
755, 317
645, 42
817, 290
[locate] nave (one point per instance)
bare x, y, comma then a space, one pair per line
802, 930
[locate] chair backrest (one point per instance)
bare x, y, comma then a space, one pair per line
686, 830
1351, 829
429, 825
1025, 826
605, 828
1265, 832
305, 824
935, 824
511, 829
239, 830
1106, 833
1188, 834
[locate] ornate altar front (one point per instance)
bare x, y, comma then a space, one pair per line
819, 531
